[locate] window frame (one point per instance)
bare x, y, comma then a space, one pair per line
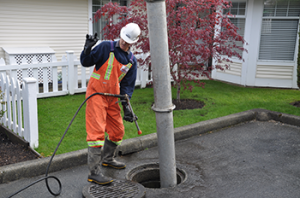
238, 16
263, 28
99, 5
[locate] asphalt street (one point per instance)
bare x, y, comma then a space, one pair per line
255, 158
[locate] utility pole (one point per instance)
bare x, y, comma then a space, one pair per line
163, 106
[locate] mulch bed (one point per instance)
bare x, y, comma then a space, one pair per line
188, 104
296, 104
11, 153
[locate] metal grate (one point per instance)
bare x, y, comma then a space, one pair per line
117, 189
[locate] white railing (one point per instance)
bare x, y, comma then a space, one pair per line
74, 76
20, 106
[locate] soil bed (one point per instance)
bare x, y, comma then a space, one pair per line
296, 104
188, 104
11, 153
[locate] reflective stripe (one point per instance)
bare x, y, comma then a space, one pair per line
109, 66
95, 143
117, 143
123, 74
95, 75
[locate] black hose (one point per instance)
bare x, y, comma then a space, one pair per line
47, 170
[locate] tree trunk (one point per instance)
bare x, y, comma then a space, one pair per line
178, 92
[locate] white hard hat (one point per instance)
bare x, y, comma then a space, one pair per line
130, 33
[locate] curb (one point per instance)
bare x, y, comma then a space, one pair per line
38, 167
140, 143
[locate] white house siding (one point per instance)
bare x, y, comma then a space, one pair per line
234, 68
234, 74
58, 24
274, 71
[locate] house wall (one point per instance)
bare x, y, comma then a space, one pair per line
255, 72
58, 24
236, 73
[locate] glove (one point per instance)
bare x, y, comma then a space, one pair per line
90, 41
128, 116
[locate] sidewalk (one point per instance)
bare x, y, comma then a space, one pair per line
250, 154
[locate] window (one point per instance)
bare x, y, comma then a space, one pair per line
99, 25
238, 9
279, 30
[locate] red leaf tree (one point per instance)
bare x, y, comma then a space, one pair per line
198, 33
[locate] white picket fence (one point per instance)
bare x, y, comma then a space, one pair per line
20, 95
74, 76
20, 106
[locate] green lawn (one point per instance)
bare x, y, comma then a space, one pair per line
221, 99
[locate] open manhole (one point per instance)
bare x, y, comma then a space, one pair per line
148, 175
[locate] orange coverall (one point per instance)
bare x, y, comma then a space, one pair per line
103, 112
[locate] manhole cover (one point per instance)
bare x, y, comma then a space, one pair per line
117, 189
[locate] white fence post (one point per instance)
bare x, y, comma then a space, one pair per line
144, 76
30, 112
3, 106
71, 78
2, 63
144, 71
8, 103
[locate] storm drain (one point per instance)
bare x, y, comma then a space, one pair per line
148, 175
117, 189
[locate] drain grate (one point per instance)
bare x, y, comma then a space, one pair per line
117, 189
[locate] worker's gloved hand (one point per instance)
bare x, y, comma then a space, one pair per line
90, 41
128, 116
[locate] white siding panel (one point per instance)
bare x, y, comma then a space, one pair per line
58, 24
274, 71
234, 68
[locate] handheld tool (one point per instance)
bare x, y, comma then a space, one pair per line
134, 116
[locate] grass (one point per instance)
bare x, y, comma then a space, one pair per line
220, 99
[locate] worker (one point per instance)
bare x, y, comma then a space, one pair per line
115, 73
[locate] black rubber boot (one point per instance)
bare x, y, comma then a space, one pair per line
108, 155
94, 159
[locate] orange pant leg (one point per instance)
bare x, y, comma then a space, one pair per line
96, 115
114, 122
